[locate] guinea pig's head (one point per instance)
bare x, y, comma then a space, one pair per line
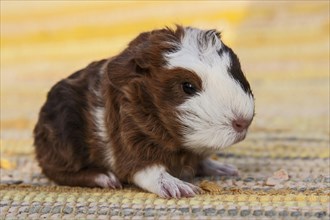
199, 93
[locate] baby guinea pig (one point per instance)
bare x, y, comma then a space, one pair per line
151, 116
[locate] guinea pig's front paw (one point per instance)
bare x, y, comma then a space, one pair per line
171, 187
155, 179
108, 180
209, 167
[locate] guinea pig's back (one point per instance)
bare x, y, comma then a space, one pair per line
60, 133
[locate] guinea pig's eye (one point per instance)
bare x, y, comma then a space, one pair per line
188, 88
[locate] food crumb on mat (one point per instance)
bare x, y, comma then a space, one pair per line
277, 178
209, 186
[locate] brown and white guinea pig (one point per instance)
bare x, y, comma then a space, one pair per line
151, 116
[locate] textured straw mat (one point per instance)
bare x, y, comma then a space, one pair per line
27, 193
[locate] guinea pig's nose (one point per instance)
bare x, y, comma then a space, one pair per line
240, 124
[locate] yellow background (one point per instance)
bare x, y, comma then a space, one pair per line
283, 48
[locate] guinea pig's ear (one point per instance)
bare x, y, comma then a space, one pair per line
140, 61
141, 66
138, 47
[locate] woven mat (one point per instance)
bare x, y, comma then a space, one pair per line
25, 192
284, 49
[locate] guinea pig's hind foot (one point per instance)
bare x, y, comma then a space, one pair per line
209, 167
108, 180
155, 179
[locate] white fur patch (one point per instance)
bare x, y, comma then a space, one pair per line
99, 119
208, 115
98, 113
148, 178
102, 133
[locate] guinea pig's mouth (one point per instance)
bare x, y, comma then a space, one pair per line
239, 137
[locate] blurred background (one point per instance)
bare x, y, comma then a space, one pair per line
283, 48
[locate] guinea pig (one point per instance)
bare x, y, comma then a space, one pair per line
151, 116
